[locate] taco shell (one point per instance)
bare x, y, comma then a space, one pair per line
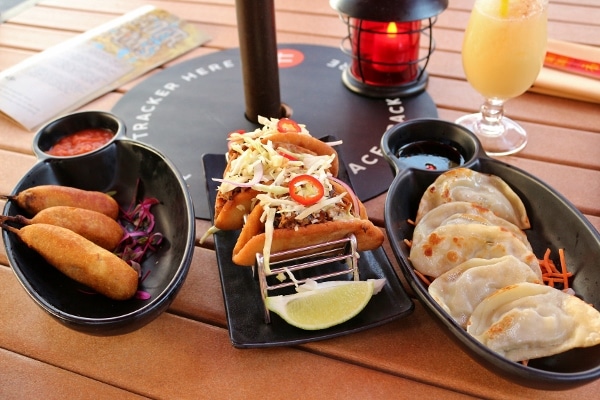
311, 144
252, 237
229, 213
230, 208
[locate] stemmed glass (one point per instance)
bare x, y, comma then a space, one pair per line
503, 51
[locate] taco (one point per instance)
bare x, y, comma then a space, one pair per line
258, 161
279, 223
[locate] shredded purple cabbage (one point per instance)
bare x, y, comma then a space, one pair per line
139, 238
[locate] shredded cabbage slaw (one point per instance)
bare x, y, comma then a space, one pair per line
268, 170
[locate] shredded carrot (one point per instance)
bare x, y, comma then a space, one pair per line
525, 362
559, 275
545, 262
408, 242
551, 275
425, 280
563, 267
411, 222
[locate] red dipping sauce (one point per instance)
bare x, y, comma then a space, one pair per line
81, 142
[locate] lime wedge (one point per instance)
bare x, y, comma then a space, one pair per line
324, 305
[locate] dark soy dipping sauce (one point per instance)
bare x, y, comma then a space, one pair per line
431, 155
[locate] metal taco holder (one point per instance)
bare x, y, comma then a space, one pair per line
306, 259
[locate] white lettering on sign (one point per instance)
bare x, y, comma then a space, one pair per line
284, 58
396, 115
335, 63
206, 70
366, 159
140, 129
396, 110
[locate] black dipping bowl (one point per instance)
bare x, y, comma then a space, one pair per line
556, 223
117, 166
66, 125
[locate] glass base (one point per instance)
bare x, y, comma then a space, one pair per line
506, 137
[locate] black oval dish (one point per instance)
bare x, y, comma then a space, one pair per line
556, 223
117, 166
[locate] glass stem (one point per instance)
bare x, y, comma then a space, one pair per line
492, 112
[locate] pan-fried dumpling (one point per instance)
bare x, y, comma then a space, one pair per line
461, 289
527, 320
462, 212
450, 245
489, 191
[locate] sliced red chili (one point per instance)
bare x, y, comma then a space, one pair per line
306, 189
286, 125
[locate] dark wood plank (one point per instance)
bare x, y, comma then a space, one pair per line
175, 357
28, 378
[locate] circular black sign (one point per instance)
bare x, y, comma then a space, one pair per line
188, 110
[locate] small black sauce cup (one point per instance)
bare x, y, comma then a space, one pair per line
48, 135
429, 144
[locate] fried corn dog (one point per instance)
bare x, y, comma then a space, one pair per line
92, 225
80, 259
37, 198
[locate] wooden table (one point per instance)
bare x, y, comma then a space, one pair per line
186, 353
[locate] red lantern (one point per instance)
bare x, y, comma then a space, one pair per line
384, 42
385, 53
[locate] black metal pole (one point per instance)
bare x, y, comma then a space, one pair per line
258, 51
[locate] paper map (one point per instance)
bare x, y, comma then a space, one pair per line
69, 75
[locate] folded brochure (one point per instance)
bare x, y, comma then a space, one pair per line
71, 74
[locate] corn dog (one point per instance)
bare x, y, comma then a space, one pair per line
92, 225
37, 198
80, 259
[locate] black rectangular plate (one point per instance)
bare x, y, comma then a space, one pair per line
244, 307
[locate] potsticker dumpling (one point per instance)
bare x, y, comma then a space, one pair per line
461, 289
462, 212
489, 191
527, 320
450, 245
